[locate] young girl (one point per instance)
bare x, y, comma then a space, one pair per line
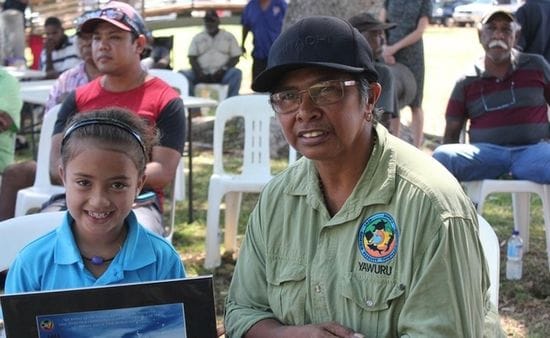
103, 154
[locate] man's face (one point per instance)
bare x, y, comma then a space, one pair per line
497, 38
324, 131
54, 35
376, 40
84, 44
212, 26
115, 50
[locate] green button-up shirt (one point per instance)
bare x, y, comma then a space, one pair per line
401, 258
10, 102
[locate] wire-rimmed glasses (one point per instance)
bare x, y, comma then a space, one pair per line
322, 93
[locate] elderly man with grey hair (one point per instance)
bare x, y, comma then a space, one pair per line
505, 97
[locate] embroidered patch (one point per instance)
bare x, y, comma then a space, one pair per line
378, 238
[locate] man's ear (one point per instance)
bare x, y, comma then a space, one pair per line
141, 43
374, 92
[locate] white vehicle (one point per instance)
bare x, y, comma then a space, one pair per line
473, 12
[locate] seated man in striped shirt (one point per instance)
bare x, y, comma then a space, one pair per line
59, 52
505, 97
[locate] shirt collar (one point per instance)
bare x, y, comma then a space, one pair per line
136, 252
478, 69
375, 186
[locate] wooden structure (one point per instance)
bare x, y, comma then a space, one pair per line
157, 13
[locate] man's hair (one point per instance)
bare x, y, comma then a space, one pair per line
53, 21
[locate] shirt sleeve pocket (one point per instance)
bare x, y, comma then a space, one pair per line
371, 294
286, 291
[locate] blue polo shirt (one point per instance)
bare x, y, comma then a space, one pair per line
265, 25
53, 261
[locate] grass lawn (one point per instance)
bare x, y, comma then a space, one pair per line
524, 305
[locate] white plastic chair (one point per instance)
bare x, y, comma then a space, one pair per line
43, 189
178, 194
491, 249
521, 191
17, 232
221, 89
256, 168
174, 79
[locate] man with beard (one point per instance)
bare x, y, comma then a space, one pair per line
505, 98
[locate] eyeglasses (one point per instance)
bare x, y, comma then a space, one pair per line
322, 93
110, 13
503, 100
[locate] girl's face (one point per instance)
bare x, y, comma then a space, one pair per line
101, 185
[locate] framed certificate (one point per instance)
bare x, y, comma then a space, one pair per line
163, 309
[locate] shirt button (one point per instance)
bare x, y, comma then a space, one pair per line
369, 303
318, 288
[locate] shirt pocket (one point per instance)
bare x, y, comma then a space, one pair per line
371, 302
287, 291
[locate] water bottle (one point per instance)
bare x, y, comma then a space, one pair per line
514, 262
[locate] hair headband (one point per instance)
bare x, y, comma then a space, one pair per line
103, 121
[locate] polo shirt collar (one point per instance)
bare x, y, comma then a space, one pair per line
478, 69
136, 252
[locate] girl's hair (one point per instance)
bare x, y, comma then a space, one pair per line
115, 128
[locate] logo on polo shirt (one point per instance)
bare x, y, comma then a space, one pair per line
378, 238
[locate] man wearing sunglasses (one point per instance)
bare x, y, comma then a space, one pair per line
364, 236
505, 97
118, 39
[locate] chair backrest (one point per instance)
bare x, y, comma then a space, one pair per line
491, 249
257, 113
174, 79
42, 178
17, 232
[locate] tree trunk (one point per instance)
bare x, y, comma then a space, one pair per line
345, 9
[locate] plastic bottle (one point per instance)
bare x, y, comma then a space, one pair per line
514, 264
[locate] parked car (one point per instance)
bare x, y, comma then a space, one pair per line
473, 12
442, 11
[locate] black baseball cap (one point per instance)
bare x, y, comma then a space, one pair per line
366, 22
317, 41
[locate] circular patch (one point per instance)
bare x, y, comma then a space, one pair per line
47, 325
378, 238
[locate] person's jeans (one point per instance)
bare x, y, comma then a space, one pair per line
477, 161
232, 77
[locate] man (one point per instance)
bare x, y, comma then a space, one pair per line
363, 236
213, 55
505, 98
534, 18
398, 84
78, 75
265, 19
21, 175
117, 43
59, 53
10, 109
12, 33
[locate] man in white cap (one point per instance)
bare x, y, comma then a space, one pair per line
505, 97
